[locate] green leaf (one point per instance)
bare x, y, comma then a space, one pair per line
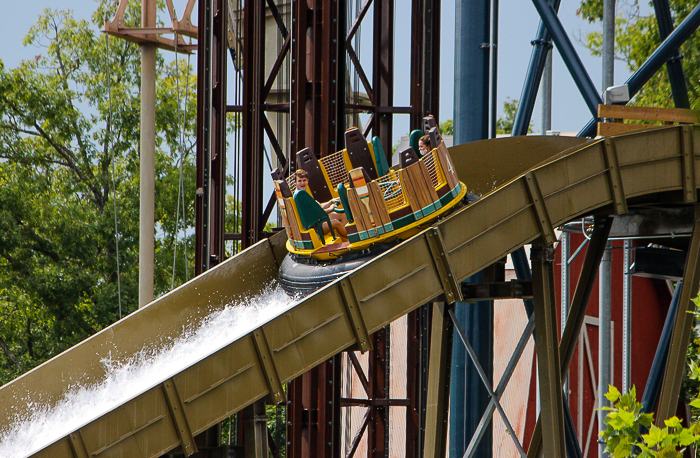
673, 422
655, 436
613, 394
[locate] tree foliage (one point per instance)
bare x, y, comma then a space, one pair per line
636, 38
629, 432
68, 118
505, 123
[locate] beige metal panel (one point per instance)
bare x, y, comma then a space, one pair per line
223, 382
307, 335
386, 288
648, 146
140, 426
571, 169
246, 274
487, 164
59, 449
392, 286
491, 227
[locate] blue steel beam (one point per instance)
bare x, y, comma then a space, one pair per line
568, 53
542, 44
652, 390
657, 59
674, 65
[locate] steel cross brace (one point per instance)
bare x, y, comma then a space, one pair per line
501, 388
568, 53
179, 27
543, 43
487, 383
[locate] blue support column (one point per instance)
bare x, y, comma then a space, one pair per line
471, 99
468, 397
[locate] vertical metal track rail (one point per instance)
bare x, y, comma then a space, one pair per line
211, 135
253, 122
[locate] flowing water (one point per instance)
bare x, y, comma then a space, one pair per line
124, 380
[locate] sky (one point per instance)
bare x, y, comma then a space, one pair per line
518, 26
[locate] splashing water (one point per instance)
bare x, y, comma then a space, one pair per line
125, 380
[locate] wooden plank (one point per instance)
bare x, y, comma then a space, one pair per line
410, 192
416, 180
448, 168
682, 115
376, 194
359, 181
374, 209
285, 219
613, 128
292, 218
428, 182
359, 211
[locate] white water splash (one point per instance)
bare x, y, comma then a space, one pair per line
125, 380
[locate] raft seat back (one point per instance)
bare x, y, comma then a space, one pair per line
380, 157
408, 157
435, 137
413, 140
290, 220
311, 214
284, 188
277, 174
359, 153
345, 202
306, 159
429, 123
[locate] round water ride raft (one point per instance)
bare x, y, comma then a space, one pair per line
380, 205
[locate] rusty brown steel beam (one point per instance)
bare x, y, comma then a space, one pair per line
425, 62
278, 18
414, 378
274, 72
211, 138
378, 430
253, 125
383, 69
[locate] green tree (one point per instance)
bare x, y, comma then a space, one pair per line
625, 423
636, 37
504, 124
61, 135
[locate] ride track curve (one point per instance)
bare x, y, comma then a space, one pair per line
541, 183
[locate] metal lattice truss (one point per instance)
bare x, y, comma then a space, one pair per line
179, 27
